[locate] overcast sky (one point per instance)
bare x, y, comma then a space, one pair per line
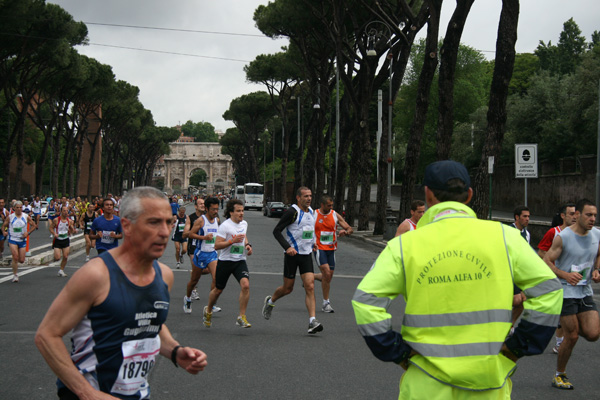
178, 88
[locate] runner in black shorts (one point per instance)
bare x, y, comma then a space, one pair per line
61, 228
86, 224
180, 242
239, 270
232, 241
573, 257
298, 243
191, 246
301, 262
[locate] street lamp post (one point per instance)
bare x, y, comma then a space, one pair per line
273, 163
265, 159
372, 36
300, 144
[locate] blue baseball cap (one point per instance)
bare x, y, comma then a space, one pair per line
438, 174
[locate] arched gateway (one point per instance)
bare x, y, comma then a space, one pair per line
185, 158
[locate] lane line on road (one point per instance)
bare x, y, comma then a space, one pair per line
21, 273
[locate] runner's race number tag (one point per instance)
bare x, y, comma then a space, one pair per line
138, 360
307, 235
237, 249
106, 238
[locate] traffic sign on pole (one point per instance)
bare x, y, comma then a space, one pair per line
526, 161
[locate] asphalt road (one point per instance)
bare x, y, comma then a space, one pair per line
274, 358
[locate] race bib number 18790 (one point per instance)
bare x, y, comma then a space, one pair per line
138, 360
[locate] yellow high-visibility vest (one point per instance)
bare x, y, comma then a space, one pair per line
456, 275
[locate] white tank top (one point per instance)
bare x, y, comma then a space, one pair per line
17, 227
62, 229
205, 245
300, 234
412, 225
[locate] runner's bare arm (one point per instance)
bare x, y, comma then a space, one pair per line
552, 255
186, 229
88, 287
342, 222
32, 224
5, 224
190, 359
403, 228
198, 224
596, 271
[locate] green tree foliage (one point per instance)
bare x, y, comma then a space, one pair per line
472, 80
36, 42
232, 144
200, 131
250, 114
566, 56
197, 177
560, 108
560, 113
526, 65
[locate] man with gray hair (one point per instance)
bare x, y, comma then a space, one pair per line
116, 306
19, 226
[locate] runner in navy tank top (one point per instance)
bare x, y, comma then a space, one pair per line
116, 305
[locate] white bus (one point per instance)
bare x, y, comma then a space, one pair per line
253, 195
239, 192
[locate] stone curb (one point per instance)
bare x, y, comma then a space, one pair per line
367, 236
44, 257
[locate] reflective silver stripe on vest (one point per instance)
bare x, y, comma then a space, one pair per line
540, 318
457, 319
457, 350
375, 328
371, 300
512, 275
543, 288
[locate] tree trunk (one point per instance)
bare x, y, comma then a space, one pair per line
382, 177
81, 137
55, 159
17, 188
413, 150
93, 144
40, 165
342, 168
449, 53
65, 163
356, 165
503, 69
366, 167
284, 163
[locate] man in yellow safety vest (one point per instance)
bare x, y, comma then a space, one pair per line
456, 275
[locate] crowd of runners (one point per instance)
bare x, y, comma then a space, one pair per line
220, 247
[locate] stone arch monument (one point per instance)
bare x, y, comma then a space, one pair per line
187, 157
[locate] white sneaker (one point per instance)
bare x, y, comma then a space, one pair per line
187, 305
195, 295
87, 258
15, 278
216, 309
178, 265
327, 308
62, 273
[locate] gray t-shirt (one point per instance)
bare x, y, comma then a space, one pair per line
578, 255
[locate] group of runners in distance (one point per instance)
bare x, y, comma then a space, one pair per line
97, 219
221, 249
